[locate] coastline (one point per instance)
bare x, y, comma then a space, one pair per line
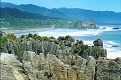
77, 34
61, 55
29, 30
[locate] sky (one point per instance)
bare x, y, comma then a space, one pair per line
96, 5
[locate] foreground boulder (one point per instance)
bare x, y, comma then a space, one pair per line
97, 50
10, 67
72, 67
37, 67
50, 67
108, 70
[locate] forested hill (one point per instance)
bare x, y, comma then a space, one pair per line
21, 14
12, 18
35, 9
96, 16
70, 13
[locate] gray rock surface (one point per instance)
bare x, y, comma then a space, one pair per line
70, 67
33, 59
108, 70
98, 42
97, 52
10, 67
37, 67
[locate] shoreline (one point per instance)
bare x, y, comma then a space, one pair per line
26, 30
110, 50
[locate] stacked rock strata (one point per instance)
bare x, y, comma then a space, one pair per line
57, 59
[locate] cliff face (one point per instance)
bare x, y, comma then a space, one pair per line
57, 59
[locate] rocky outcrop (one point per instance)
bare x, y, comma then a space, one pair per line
85, 25
97, 51
72, 67
108, 70
118, 60
10, 67
60, 46
37, 67
57, 59
98, 42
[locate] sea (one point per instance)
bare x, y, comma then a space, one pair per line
110, 35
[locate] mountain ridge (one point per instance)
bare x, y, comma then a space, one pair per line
96, 16
70, 13
36, 9
22, 14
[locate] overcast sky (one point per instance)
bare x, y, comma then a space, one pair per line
97, 5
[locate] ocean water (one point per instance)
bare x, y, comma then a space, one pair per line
111, 37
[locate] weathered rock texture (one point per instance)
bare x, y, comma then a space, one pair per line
37, 67
108, 70
61, 59
45, 47
10, 67
73, 67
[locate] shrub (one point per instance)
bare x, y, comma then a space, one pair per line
30, 35
77, 49
62, 47
16, 50
9, 36
84, 47
44, 38
69, 38
22, 36
98, 42
61, 38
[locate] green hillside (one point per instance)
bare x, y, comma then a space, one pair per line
12, 18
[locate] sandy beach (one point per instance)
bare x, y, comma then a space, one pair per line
29, 30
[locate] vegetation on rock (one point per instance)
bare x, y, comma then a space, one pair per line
10, 37
62, 47
43, 44
98, 42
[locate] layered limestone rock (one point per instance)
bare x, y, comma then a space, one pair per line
67, 43
57, 59
38, 67
50, 67
97, 50
10, 67
71, 67
108, 70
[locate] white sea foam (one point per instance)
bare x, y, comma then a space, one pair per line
90, 43
95, 34
82, 33
111, 43
108, 28
112, 52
